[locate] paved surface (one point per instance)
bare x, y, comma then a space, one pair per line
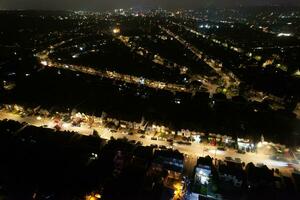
191, 151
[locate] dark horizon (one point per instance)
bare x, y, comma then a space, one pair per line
104, 5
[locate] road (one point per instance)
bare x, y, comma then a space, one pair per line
46, 61
228, 78
192, 152
158, 59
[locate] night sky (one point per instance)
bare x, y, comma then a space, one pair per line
111, 4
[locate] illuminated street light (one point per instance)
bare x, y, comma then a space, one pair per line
45, 63
284, 34
116, 30
93, 196
39, 118
90, 197
297, 73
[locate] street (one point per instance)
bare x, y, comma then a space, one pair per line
191, 152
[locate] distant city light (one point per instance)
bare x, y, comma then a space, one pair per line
177, 101
284, 34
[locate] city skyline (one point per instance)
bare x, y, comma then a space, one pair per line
113, 4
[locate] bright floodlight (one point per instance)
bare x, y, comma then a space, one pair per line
45, 63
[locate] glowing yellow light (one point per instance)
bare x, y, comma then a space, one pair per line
93, 197
89, 197
116, 30
178, 186
176, 193
177, 190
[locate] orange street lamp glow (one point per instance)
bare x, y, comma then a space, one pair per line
116, 30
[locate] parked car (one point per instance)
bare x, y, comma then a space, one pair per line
241, 151
169, 140
228, 158
141, 131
